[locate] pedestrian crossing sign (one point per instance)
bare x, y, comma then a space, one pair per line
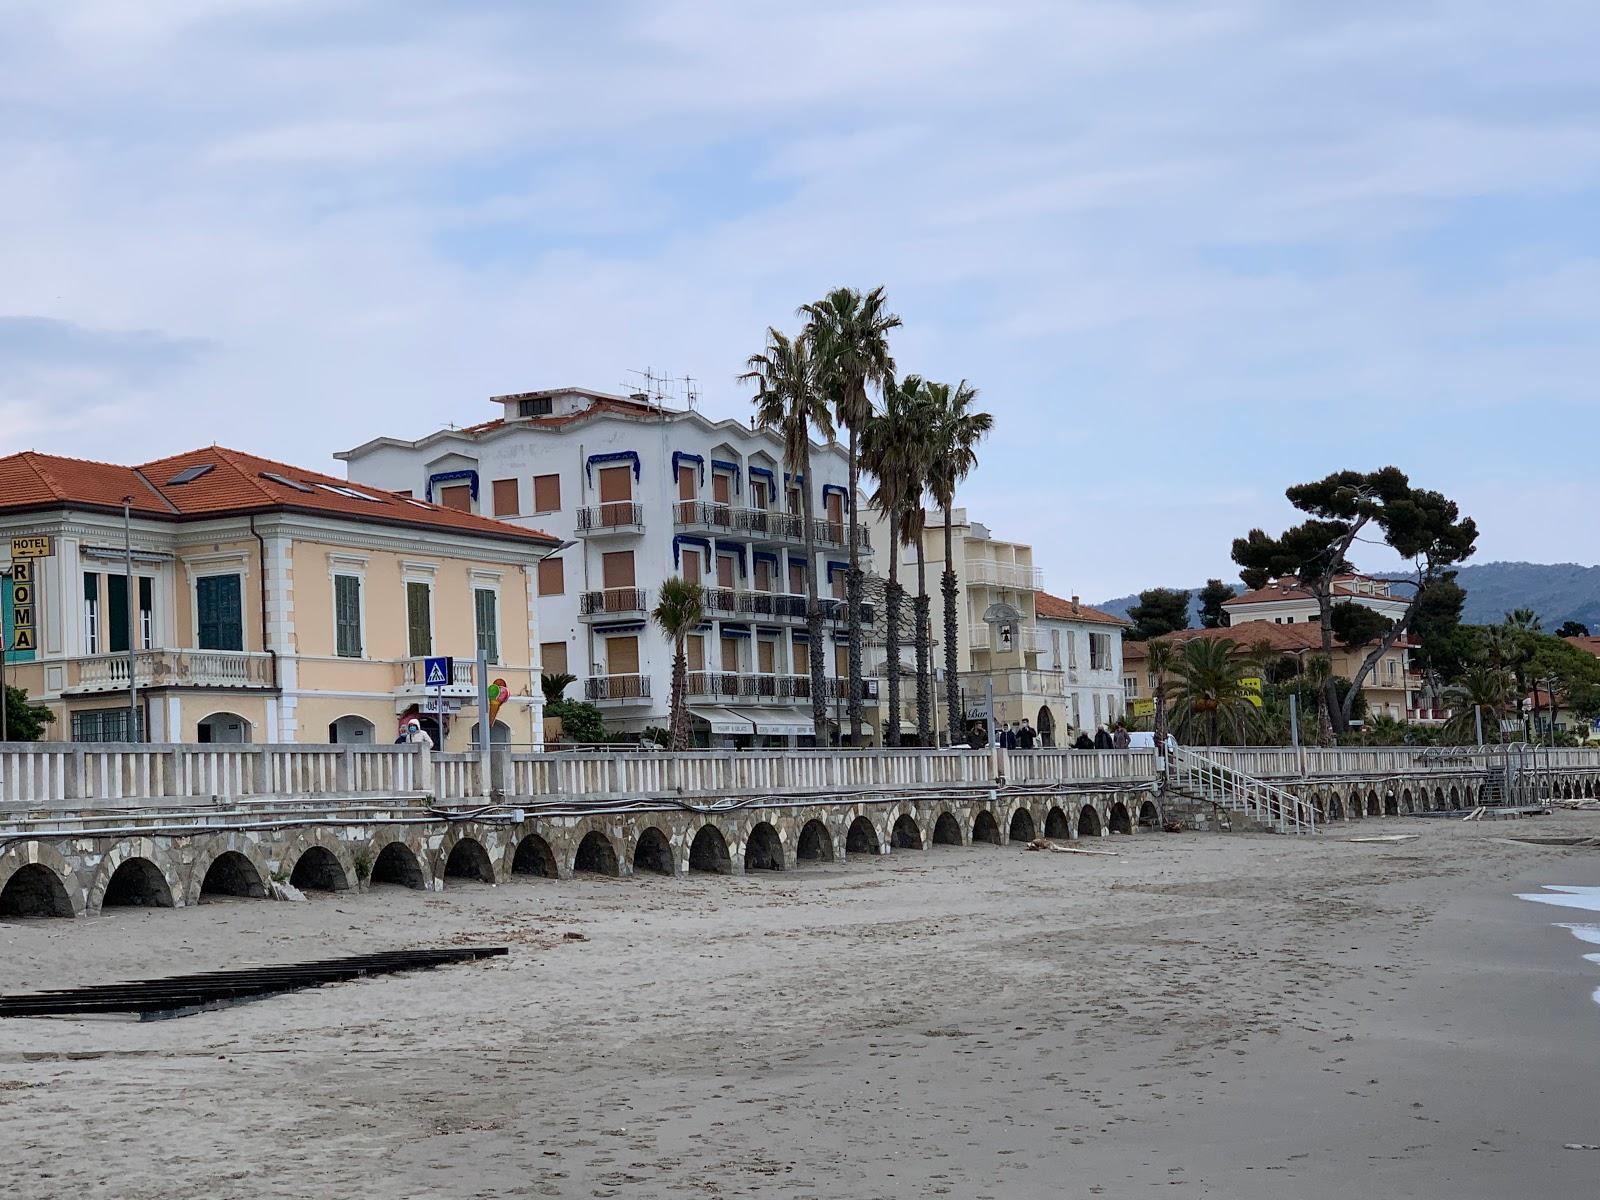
438, 672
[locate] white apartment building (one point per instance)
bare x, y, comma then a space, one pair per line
1084, 645
643, 492
1286, 602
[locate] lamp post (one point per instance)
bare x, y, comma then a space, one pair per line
133, 620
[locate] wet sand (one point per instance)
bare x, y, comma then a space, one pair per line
1209, 1015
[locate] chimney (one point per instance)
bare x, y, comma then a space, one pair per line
1074, 604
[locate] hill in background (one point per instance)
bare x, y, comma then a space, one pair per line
1556, 591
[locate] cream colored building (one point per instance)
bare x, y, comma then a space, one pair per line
268, 603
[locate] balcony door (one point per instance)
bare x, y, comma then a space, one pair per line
693, 570
722, 488
763, 575
725, 570
219, 611
688, 486
616, 574
616, 495
835, 508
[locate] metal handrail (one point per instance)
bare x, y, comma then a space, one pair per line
1265, 802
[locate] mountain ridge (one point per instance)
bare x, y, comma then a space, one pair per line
1558, 592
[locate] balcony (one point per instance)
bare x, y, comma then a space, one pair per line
838, 611
613, 602
705, 516
986, 572
463, 683
1016, 682
713, 687
777, 606
169, 668
770, 525
615, 517
617, 689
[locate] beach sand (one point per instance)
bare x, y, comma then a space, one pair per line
1201, 1015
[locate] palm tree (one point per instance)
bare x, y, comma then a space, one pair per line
1319, 674
890, 448
679, 611
913, 525
1158, 662
1209, 685
956, 429
555, 686
850, 333
1484, 687
789, 402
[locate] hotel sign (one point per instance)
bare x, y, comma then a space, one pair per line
24, 633
37, 545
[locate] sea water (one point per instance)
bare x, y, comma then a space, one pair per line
1584, 898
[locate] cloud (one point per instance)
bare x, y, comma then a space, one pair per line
1190, 253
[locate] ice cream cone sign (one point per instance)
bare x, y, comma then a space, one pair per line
498, 691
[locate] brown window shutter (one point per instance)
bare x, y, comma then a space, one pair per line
457, 496
730, 654
617, 569
547, 493
725, 570
766, 656
797, 579
687, 484
695, 649
616, 484
802, 658
507, 501
554, 657
552, 577
622, 656
720, 488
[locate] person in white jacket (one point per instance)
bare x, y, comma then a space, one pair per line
416, 735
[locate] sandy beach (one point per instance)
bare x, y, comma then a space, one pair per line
1209, 1015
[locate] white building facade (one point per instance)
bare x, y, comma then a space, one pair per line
644, 492
1084, 645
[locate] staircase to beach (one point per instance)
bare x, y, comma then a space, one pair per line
1256, 804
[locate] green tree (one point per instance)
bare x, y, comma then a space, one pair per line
580, 721
789, 402
1571, 629
679, 609
1422, 526
1212, 597
1484, 688
555, 686
1159, 611
1209, 692
1524, 620
1355, 625
957, 428
25, 721
851, 335
893, 451
1158, 662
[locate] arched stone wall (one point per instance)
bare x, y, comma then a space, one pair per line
24, 854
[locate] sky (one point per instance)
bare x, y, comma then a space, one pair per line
1189, 252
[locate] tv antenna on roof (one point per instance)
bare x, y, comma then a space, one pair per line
662, 390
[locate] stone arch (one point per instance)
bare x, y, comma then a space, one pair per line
985, 828
947, 830
230, 873
223, 729
652, 852
25, 854
1021, 828
595, 855
398, 864
1438, 798
234, 878
34, 890
1088, 821
1056, 824
352, 729
1406, 804
533, 856
1374, 805
1455, 796
318, 869
815, 844
1357, 806
763, 849
162, 890
862, 837
137, 883
1391, 805
709, 850
1149, 815
1335, 807
464, 857
906, 835
1121, 821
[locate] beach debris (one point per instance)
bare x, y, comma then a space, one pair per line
1078, 850
1476, 814
573, 936
1387, 837
286, 891
1173, 827
1038, 844
1580, 1146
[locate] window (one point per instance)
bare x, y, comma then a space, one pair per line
758, 493
552, 577
616, 569
1072, 654
457, 496
688, 485
91, 612
189, 474
419, 618
485, 605
147, 615
541, 406
1099, 651
117, 613
105, 725
219, 612
348, 493
546, 493
1099, 719
722, 487
507, 498
1130, 686
347, 616
292, 485
553, 656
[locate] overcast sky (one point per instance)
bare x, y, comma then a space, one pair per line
1190, 252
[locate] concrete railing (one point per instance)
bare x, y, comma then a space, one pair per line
106, 773
1287, 762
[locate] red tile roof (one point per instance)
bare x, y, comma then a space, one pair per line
1286, 639
1053, 608
1591, 644
1288, 588
235, 483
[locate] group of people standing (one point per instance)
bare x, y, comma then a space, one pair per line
1023, 736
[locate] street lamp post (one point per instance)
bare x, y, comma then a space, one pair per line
133, 619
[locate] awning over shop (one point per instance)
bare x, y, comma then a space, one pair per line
725, 721
782, 724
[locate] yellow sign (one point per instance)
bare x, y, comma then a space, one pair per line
1145, 707
1251, 686
24, 636
39, 545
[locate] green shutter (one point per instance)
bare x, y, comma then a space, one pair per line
146, 612
220, 613
347, 616
483, 603
419, 623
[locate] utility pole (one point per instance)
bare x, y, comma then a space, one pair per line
133, 620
